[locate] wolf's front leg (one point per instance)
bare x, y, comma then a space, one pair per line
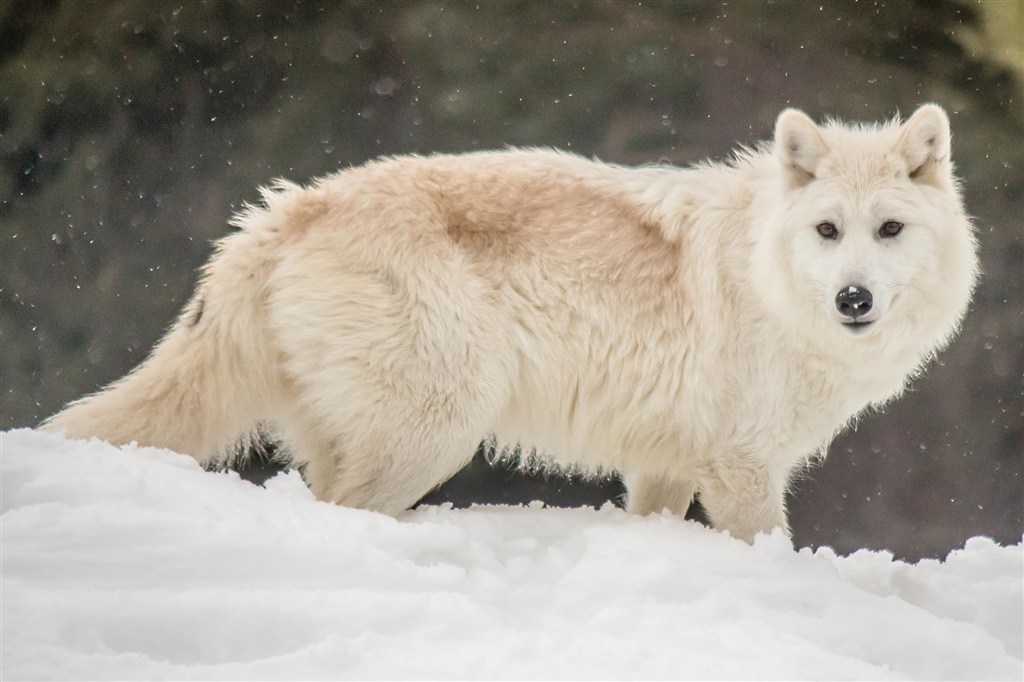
745, 498
651, 495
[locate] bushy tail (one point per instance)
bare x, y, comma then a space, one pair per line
212, 378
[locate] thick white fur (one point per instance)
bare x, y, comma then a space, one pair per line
676, 325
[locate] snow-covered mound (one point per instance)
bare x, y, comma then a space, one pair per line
133, 563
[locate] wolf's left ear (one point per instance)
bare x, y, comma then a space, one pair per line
799, 145
924, 144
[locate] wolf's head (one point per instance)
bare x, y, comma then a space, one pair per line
869, 246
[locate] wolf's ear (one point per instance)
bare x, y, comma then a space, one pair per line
799, 145
924, 144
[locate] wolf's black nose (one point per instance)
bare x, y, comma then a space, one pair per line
853, 301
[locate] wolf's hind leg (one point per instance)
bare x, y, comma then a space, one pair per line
385, 471
383, 443
397, 372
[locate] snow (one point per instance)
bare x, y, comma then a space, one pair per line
134, 563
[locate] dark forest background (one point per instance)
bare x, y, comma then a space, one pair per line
130, 131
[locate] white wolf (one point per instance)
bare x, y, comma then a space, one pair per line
703, 330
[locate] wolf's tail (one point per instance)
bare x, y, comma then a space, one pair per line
211, 379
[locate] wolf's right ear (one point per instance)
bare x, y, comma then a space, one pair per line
799, 145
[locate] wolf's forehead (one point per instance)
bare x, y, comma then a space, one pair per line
862, 173
862, 185
863, 155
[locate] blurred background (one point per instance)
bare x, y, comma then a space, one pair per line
130, 131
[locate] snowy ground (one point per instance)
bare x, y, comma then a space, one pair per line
134, 563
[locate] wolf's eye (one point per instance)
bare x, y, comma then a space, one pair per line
890, 228
828, 230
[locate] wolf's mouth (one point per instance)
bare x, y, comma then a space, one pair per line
858, 326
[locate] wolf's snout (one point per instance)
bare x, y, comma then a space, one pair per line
854, 302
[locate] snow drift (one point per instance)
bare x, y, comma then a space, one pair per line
131, 563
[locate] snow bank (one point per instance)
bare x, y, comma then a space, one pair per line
134, 563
